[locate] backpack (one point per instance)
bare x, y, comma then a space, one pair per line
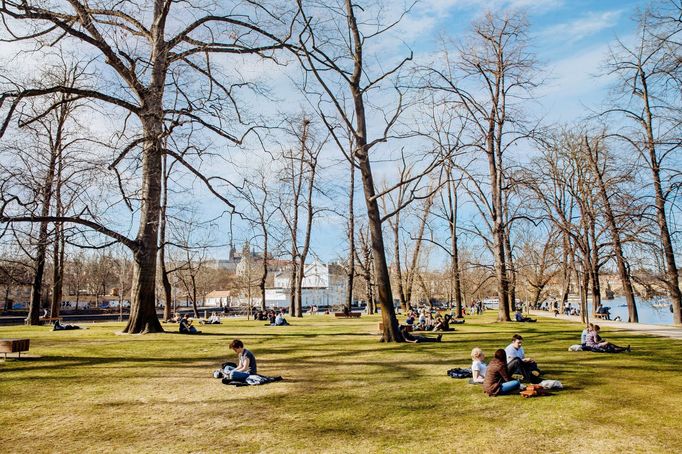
458, 372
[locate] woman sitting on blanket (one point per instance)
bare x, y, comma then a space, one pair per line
596, 343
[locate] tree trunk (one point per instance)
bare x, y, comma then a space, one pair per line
351, 238
671, 267
596, 287
383, 283
454, 247
143, 318
414, 264
165, 282
623, 273
41, 251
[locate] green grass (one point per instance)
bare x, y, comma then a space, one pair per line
96, 391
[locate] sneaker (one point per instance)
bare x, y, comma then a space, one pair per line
522, 387
218, 374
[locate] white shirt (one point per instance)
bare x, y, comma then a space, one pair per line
514, 353
480, 366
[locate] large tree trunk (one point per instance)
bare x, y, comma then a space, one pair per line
382, 279
143, 318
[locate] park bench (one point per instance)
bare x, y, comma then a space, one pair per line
602, 316
14, 346
349, 315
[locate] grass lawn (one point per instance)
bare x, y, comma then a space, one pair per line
96, 391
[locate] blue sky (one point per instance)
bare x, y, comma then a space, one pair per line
569, 37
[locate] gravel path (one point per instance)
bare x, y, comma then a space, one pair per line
655, 330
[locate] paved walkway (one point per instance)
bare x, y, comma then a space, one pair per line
655, 330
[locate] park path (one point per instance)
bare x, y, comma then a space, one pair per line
643, 328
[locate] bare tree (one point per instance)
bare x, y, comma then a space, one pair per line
340, 83
649, 100
158, 71
493, 74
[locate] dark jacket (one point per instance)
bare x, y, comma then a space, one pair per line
495, 375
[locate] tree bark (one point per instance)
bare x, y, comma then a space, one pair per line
351, 238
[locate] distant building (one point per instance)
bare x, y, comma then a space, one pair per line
323, 285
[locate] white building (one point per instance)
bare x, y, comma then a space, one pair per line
323, 285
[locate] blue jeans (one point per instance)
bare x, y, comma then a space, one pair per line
235, 374
509, 386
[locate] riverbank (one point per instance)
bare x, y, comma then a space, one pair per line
670, 331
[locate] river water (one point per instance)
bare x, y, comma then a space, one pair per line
645, 309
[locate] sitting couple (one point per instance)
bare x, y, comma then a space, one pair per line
591, 341
498, 376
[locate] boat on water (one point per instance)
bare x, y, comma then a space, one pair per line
661, 305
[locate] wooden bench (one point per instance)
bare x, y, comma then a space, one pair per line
602, 316
349, 315
14, 346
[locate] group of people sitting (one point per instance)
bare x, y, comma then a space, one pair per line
591, 341
505, 371
424, 321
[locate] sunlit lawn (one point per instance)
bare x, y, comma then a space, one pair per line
96, 391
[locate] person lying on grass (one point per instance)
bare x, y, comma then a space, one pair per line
186, 326
417, 339
478, 367
246, 366
596, 343
56, 326
497, 380
518, 364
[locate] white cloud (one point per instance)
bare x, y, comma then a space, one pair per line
582, 27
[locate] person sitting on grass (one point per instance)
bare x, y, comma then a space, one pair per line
478, 367
246, 366
518, 364
417, 339
596, 343
518, 316
497, 380
583, 335
280, 320
186, 326
56, 326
